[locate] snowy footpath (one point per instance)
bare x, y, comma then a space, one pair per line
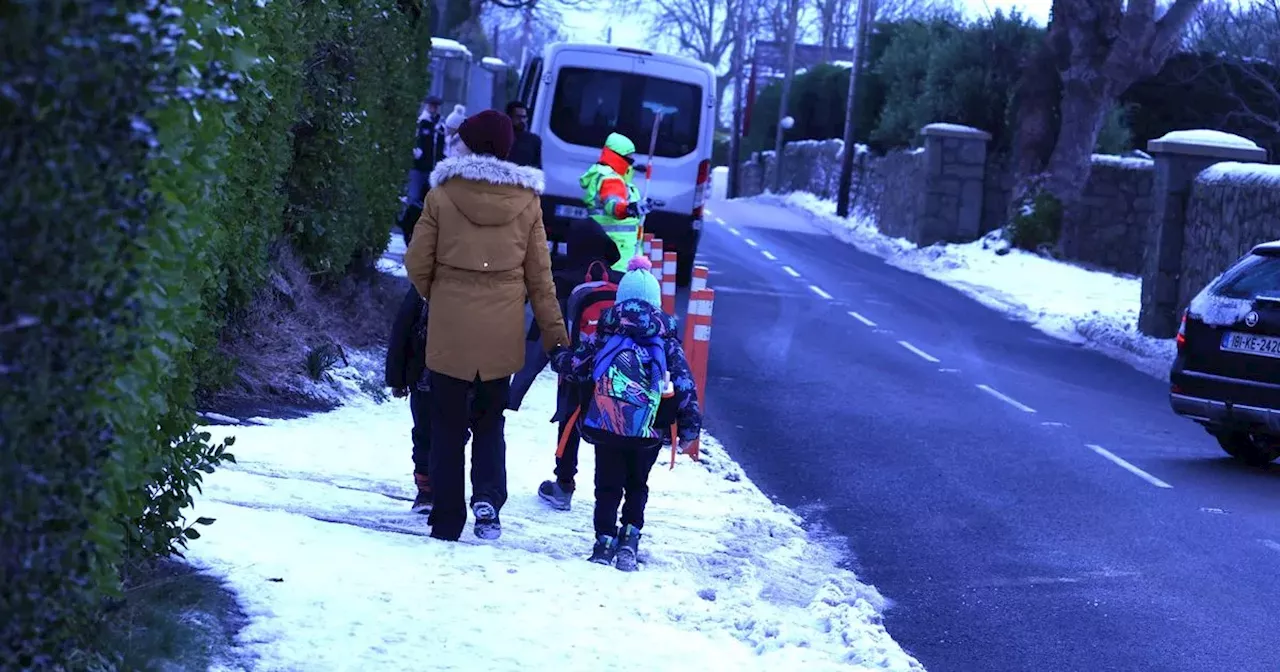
1096, 309
314, 535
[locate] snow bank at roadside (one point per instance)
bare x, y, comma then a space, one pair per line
1089, 307
313, 532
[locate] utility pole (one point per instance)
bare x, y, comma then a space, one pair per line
739, 100
793, 19
850, 108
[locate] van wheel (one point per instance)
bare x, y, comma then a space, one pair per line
1255, 450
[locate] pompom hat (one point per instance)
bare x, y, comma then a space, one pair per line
639, 283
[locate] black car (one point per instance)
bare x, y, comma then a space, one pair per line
1226, 375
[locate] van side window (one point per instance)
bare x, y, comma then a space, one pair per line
588, 105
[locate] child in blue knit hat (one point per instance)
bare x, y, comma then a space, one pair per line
640, 379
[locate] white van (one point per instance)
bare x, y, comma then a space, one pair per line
577, 94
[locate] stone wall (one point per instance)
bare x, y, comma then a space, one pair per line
1108, 228
1233, 206
812, 166
890, 196
997, 191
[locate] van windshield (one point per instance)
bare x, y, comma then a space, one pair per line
1255, 276
590, 104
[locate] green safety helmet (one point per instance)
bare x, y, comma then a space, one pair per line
620, 145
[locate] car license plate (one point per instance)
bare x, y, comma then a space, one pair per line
571, 212
1251, 344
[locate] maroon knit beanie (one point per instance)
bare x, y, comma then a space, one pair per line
489, 132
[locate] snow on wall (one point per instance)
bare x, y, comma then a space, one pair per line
1127, 162
445, 44
1242, 174
1209, 137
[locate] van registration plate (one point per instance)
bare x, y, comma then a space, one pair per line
1251, 344
571, 212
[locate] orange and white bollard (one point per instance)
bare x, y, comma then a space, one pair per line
647, 244
698, 346
669, 283
655, 260
699, 282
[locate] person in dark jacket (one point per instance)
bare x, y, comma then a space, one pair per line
528, 148
428, 150
406, 375
586, 243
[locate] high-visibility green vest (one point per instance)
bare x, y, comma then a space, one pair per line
623, 232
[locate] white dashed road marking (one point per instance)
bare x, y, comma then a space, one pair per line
721, 222
818, 290
768, 255
1129, 467
791, 271
735, 231
861, 319
1006, 398
750, 242
1275, 546
948, 370
923, 355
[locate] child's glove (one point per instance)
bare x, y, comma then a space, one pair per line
560, 359
399, 392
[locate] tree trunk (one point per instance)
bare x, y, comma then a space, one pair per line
1084, 109
1037, 96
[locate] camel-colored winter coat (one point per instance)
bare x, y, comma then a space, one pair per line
478, 252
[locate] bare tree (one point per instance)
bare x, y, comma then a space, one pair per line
705, 30
1093, 51
1247, 36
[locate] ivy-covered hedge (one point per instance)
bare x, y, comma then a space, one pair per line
155, 152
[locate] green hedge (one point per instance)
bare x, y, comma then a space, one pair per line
155, 152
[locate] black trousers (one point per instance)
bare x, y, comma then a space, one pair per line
420, 407
567, 464
622, 473
459, 407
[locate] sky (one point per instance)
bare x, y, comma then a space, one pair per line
628, 32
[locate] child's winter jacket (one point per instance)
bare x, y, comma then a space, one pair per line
407, 349
640, 321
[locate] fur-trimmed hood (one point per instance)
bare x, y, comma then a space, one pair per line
486, 190
480, 168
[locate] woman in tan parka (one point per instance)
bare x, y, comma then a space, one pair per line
478, 252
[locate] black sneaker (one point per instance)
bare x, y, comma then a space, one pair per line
422, 503
604, 550
487, 525
628, 549
555, 494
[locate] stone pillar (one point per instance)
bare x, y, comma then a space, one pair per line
950, 209
1179, 157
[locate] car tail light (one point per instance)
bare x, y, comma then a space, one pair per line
700, 191
1181, 338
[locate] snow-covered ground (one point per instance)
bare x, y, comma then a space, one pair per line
1091, 307
314, 534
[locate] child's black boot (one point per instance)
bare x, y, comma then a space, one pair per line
605, 549
628, 549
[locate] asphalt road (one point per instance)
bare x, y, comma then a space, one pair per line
1026, 503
